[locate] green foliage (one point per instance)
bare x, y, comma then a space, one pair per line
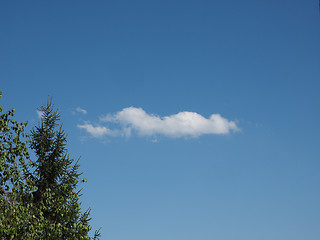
39, 198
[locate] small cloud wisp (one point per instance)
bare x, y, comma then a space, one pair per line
81, 110
39, 113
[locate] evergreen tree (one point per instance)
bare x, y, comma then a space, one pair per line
39, 198
56, 178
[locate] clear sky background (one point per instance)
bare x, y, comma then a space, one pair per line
137, 83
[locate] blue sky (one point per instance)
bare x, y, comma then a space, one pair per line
193, 119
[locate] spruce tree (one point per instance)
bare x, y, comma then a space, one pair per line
39, 198
56, 179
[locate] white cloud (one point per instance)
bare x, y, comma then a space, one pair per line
39, 113
178, 125
96, 131
81, 110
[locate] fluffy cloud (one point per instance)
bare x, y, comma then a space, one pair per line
81, 110
177, 125
96, 131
